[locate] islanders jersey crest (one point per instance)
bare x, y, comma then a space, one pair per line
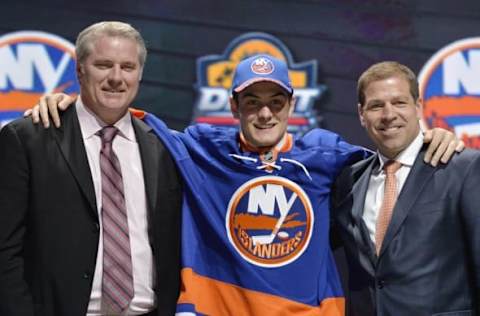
450, 88
31, 64
269, 221
215, 74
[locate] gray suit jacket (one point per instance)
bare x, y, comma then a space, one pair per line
429, 263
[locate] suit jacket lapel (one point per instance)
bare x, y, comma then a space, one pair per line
412, 188
359, 191
69, 139
148, 144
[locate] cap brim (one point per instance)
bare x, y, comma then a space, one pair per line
248, 83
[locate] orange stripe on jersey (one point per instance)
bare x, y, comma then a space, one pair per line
286, 145
268, 155
217, 298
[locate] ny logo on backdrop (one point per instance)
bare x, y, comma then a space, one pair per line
450, 89
31, 64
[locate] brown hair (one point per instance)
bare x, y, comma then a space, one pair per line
384, 70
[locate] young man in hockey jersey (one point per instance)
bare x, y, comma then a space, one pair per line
255, 230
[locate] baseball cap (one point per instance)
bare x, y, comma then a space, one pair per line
261, 68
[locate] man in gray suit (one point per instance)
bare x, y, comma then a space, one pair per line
411, 231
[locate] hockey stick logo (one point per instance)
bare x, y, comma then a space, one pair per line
269, 221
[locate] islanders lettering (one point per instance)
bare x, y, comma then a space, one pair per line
269, 221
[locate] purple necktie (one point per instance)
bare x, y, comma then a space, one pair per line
117, 280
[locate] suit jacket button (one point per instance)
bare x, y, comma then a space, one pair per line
380, 284
96, 227
86, 275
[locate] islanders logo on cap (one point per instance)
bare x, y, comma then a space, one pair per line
450, 87
215, 75
262, 66
269, 221
33, 63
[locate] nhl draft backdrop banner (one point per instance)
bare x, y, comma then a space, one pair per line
342, 37
33, 63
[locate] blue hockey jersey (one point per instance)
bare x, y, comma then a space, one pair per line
255, 234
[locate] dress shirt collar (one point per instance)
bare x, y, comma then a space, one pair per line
407, 156
90, 123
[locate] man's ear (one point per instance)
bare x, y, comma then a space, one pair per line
140, 75
360, 114
419, 108
234, 107
80, 71
292, 102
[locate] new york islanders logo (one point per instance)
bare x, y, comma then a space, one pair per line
269, 221
215, 74
32, 64
450, 88
262, 66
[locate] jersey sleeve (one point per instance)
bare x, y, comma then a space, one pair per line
334, 149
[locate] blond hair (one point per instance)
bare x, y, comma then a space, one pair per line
87, 38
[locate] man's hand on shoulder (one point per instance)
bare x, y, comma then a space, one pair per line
442, 145
47, 108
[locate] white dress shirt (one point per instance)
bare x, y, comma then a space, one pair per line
126, 148
374, 197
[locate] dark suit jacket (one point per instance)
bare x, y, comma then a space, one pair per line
49, 227
429, 263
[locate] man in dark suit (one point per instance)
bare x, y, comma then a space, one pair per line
411, 232
90, 212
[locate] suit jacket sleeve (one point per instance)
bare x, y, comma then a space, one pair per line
15, 298
470, 206
335, 238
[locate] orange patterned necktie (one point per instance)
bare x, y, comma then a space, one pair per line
389, 199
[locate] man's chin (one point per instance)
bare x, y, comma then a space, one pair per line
265, 142
114, 104
391, 150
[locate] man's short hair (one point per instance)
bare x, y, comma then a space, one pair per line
382, 71
235, 95
87, 38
